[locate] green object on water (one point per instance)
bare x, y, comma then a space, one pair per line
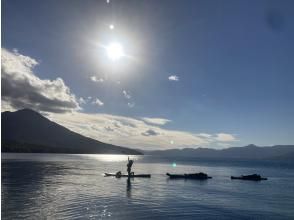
174, 164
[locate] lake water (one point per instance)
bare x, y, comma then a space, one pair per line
60, 186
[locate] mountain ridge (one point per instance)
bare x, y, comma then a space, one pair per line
28, 131
247, 152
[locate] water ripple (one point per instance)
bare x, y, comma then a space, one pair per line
72, 187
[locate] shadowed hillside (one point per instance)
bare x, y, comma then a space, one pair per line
28, 131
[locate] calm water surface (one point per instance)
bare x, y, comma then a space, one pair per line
52, 186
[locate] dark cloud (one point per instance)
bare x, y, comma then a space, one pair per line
108, 128
21, 88
150, 132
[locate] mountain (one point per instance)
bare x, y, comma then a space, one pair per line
28, 131
247, 152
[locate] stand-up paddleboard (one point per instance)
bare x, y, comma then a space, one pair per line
126, 175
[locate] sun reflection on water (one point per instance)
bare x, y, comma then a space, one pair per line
113, 157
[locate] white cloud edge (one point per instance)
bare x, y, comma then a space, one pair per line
97, 102
156, 121
173, 78
126, 94
95, 79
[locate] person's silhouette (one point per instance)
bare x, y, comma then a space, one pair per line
129, 167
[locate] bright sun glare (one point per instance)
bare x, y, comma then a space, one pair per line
114, 51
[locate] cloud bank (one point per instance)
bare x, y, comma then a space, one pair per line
136, 133
21, 88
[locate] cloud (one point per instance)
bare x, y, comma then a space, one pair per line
95, 79
156, 121
131, 132
21, 88
82, 100
97, 102
126, 94
223, 137
131, 104
5, 106
150, 132
108, 128
173, 78
205, 135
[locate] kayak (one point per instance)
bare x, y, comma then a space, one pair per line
198, 176
126, 175
253, 177
246, 178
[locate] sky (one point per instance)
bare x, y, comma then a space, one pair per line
192, 73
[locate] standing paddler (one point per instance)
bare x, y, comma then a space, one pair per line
129, 167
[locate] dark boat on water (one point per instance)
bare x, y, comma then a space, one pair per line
197, 176
254, 177
126, 175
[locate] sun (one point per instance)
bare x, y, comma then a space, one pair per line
115, 51
111, 27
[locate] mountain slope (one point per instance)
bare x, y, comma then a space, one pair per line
247, 152
28, 131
